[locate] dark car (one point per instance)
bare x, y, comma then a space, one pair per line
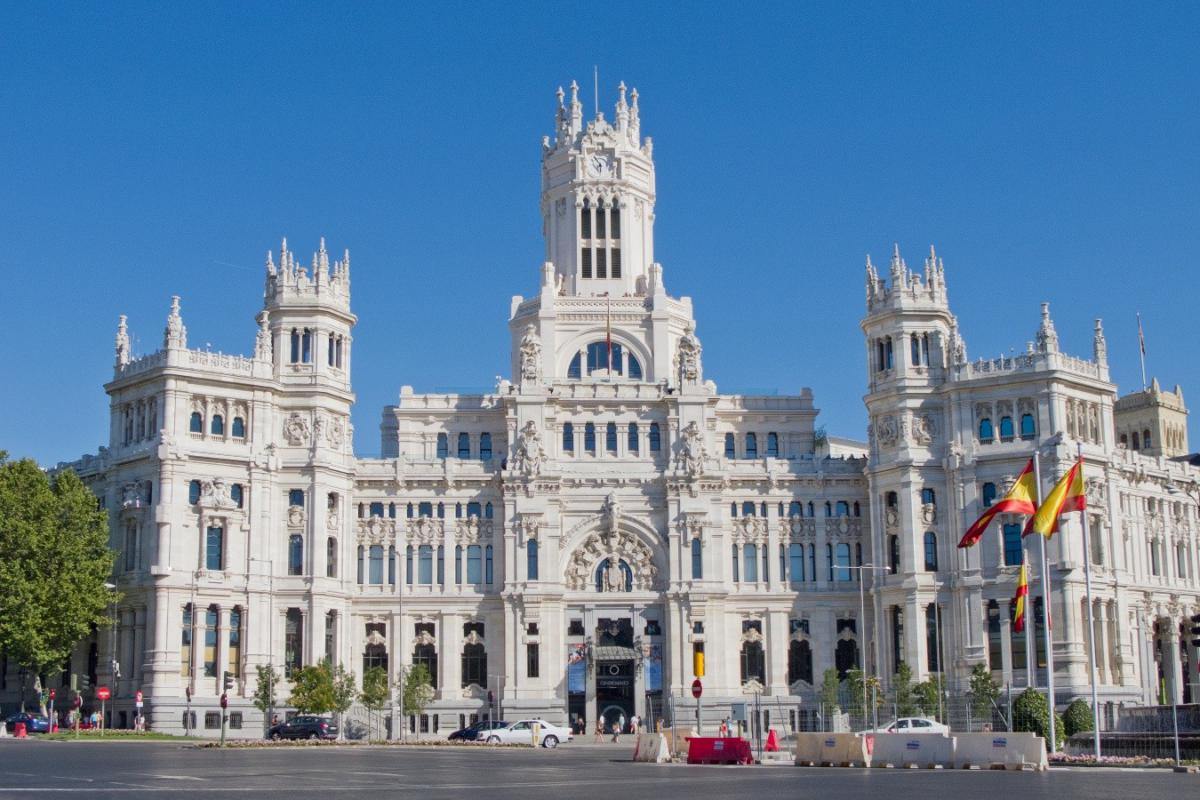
304, 728
33, 722
475, 732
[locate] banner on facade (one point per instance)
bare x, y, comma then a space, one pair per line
576, 668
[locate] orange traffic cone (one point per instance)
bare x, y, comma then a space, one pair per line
19, 730
772, 745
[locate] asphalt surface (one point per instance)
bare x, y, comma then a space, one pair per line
572, 772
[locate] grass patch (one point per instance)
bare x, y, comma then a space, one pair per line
112, 736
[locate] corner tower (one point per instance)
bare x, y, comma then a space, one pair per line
598, 199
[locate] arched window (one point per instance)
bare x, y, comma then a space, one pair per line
585, 223
589, 438
751, 446
1028, 427
1006, 428
376, 509
747, 508
828, 509
193, 492
391, 510
196, 423
152, 418
1012, 545
857, 509
811, 513
331, 558
887, 351
306, 346
1137, 441
574, 370
360, 563
408, 565
753, 662
697, 561
632, 443
296, 497
915, 355
843, 508
928, 497
464, 445
473, 509
773, 445
458, 566
1146, 440
210, 641
989, 494
730, 451
800, 662
733, 509
610, 437
598, 357
995, 642
474, 665
931, 558
531, 559
375, 564
409, 513
214, 548
614, 231
893, 553
845, 656
237, 494
1124, 440
293, 641
443, 446
635, 366
487, 511
985, 430
750, 563
425, 564
185, 643
295, 554
487, 565
795, 509
426, 656
568, 438
655, 439
235, 641
217, 426
796, 559
485, 447
392, 563
238, 429
843, 562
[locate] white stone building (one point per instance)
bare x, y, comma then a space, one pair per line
570, 541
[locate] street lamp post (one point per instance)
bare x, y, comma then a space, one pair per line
114, 667
862, 622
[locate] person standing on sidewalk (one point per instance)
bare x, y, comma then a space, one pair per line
599, 731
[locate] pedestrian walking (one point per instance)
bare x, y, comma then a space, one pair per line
634, 722
599, 731
616, 730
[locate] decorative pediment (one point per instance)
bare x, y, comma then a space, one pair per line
474, 691
473, 638
752, 635
472, 529
424, 530
376, 638
424, 638
296, 429
752, 686
749, 529
376, 530
214, 494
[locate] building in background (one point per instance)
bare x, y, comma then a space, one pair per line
568, 544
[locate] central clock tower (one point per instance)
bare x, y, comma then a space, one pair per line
598, 200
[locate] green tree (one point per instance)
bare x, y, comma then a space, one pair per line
312, 689
264, 691
344, 693
984, 691
1032, 713
1077, 718
375, 692
54, 563
902, 691
925, 695
418, 690
830, 685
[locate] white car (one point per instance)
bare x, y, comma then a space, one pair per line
522, 733
916, 725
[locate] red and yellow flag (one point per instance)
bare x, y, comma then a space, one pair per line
1021, 499
1068, 495
1019, 599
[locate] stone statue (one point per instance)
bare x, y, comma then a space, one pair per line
295, 430
691, 454
531, 355
614, 578
262, 342
687, 357
530, 454
611, 513
214, 494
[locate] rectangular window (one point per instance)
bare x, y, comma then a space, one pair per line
185, 644
601, 263
212, 720
213, 547
375, 564
235, 642
210, 642
531, 660
616, 262
600, 223
474, 564
1012, 545
235, 721
586, 262
425, 564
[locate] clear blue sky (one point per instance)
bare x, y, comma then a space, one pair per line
155, 149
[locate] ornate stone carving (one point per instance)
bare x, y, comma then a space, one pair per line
295, 516
132, 494
530, 454
295, 430
175, 334
749, 529
376, 530
928, 513
472, 529
335, 432
376, 638
610, 513
687, 357
691, 451
610, 549
531, 356
262, 341
614, 578
923, 429
424, 530
214, 494
887, 431
473, 638
122, 343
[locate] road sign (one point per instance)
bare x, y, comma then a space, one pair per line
697, 688
137, 698
102, 693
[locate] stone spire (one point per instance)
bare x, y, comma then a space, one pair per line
1100, 346
576, 109
122, 342
262, 342
1047, 337
175, 335
622, 108
635, 123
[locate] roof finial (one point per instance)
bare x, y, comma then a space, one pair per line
559, 95
122, 341
175, 335
1099, 344
270, 265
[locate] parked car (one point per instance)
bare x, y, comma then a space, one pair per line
304, 727
522, 733
34, 723
915, 725
477, 731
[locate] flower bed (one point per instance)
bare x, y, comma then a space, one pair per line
253, 743
1064, 760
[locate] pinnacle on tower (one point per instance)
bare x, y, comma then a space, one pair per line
1099, 345
175, 334
1047, 336
122, 341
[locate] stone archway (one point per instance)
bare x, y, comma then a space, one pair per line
624, 554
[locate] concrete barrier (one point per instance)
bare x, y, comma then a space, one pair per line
677, 739
832, 749
1000, 751
925, 750
651, 748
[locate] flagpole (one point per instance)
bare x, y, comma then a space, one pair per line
1030, 656
1087, 575
1142, 349
1053, 743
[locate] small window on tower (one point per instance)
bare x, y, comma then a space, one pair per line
585, 223
616, 262
601, 265
600, 215
586, 262
616, 222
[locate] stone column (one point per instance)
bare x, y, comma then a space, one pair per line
1172, 668
450, 656
222, 646
139, 647
1103, 646
778, 641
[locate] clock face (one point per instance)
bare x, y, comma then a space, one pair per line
597, 166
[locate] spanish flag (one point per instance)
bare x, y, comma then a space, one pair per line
1067, 496
1021, 499
1019, 598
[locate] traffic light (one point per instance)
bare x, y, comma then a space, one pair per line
228, 681
1195, 630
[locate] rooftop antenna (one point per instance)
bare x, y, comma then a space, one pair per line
596, 87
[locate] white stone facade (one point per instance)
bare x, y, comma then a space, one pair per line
571, 540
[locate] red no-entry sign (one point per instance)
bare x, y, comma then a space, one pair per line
102, 693
697, 688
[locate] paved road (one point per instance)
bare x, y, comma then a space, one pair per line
572, 772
